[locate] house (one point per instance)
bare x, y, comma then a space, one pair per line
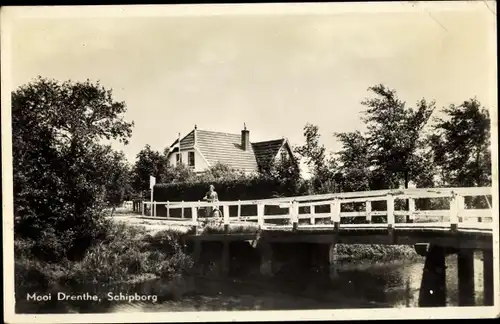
201, 149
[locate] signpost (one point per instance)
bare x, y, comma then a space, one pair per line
152, 182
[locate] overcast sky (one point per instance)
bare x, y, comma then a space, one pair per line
273, 72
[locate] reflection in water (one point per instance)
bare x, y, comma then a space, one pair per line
365, 285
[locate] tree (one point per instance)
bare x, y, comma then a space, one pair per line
118, 184
354, 169
461, 145
58, 163
149, 163
219, 171
315, 158
395, 136
285, 170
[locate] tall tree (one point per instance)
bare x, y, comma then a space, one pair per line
395, 136
354, 168
58, 162
148, 163
461, 145
118, 182
316, 159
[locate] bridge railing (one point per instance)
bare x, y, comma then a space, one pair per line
326, 210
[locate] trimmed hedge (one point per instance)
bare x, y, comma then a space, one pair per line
228, 190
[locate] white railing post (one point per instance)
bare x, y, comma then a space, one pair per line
461, 207
336, 214
368, 209
194, 215
454, 212
225, 212
154, 208
411, 209
260, 214
239, 210
168, 208
182, 209
390, 211
294, 214
313, 212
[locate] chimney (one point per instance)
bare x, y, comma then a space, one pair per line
194, 133
245, 138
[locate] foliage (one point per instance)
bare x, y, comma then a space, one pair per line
374, 252
228, 189
316, 159
118, 183
394, 137
123, 254
461, 145
354, 169
60, 170
218, 172
148, 163
285, 170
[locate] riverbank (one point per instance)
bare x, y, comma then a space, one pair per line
134, 254
129, 254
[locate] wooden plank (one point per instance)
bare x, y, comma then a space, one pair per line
454, 212
225, 214
390, 211
368, 211
260, 214
475, 213
287, 216
194, 214
411, 208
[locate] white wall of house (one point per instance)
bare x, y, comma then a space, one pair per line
199, 162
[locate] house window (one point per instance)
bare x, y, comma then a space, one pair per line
284, 156
178, 156
191, 159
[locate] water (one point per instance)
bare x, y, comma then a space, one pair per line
358, 285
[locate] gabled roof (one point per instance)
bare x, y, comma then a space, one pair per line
267, 150
226, 148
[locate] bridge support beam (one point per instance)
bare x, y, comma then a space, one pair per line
488, 277
433, 285
266, 259
324, 259
225, 259
196, 251
465, 258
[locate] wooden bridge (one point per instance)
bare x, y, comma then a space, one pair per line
437, 221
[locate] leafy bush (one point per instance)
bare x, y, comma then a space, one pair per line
228, 189
61, 172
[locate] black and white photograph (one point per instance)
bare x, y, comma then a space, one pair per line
250, 162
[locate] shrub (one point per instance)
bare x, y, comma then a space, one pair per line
247, 188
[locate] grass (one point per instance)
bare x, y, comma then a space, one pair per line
216, 227
375, 252
127, 254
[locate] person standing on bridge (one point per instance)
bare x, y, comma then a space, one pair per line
210, 196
